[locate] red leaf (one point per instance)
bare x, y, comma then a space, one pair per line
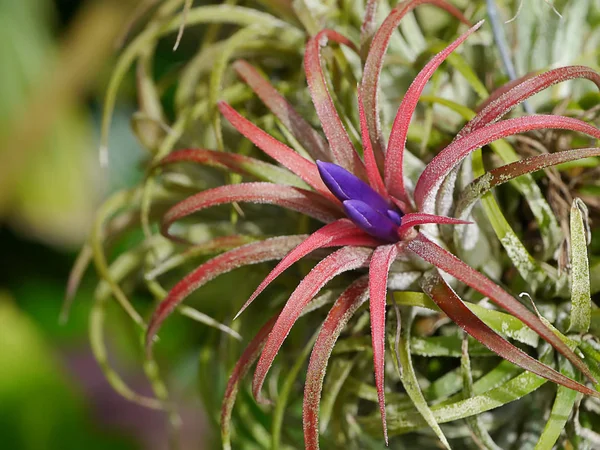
503, 100
503, 174
280, 152
394, 157
450, 264
382, 259
368, 27
301, 200
233, 162
339, 315
374, 62
414, 219
342, 149
458, 312
339, 233
343, 260
454, 153
249, 356
513, 170
371, 163
254, 253
312, 141
503, 89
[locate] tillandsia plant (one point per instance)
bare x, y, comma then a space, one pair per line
396, 240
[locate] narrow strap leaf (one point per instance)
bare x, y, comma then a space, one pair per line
234, 162
339, 315
379, 267
374, 62
254, 253
495, 177
343, 260
561, 410
404, 367
453, 306
581, 301
308, 137
296, 199
454, 153
339, 233
277, 150
342, 149
450, 264
394, 157
507, 97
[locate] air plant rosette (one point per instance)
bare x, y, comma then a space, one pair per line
395, 240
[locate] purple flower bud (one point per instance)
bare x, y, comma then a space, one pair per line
395, 216
346, 186
371, 221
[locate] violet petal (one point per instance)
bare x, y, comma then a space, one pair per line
346, 186
395, 216
371, 221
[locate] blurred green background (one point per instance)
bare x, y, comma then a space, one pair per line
55, 59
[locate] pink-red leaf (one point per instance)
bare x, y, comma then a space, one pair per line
414, 219
371, 163
454, 153
343, 260
374, 62
280, 152
339, 315
368, 27
310, 139
310, 203
503, 100
450, 264
254, 253
342, 149
244, 165
458, 312
342, 232
382, 259
503, 174
249, 356
394, 157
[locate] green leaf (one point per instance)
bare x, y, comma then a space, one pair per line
581, 302
481, 435
400, 422
401, 349
561, 409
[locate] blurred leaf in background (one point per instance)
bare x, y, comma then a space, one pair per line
39, 407
50, 179
55, 56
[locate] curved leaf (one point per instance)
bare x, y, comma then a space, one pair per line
507, 97
339, 315
301, 200
342, 149
308, 137
254, 253
447, 262
374, 62
495, 177
454, 153
280, 152
339, 233
343, 260
394, 157
234, 162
